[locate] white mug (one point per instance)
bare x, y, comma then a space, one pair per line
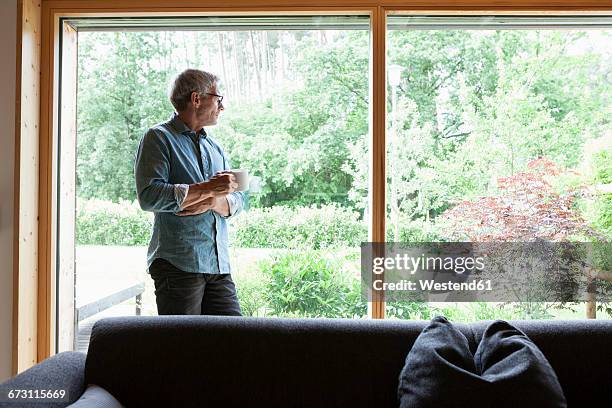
242, 178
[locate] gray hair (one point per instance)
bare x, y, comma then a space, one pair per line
188, 81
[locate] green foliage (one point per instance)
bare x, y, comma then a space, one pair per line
417, 231
475, 107
532, 310
602, 166
298, 141
307, 227
599, 214
408, 310
251, 294
106, 223
597, 174
469, 312
121, 93
472, 107
488, 311
310, 284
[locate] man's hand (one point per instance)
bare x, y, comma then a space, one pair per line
199, 207
218, 204
221, 206
220, 184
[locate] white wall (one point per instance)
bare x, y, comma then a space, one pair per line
8, 27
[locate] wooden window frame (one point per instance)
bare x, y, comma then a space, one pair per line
34, 275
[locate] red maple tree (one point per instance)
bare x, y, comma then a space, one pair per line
527, 208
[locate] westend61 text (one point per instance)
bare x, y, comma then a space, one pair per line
432, 285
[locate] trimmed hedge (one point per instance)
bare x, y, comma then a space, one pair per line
105, 223
330, 226
101, 222
305, 227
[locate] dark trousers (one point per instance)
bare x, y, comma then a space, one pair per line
184, 293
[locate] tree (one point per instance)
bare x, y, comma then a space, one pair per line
120, 96
528, 209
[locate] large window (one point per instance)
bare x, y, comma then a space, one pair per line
498, 131
296, 116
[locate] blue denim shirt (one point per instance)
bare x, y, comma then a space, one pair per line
169, 155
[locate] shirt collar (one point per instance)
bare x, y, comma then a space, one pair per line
183, 129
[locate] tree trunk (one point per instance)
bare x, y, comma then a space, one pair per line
239, 84
256, 64
193, 47
282, 56
228, 84
186, 49
266, 63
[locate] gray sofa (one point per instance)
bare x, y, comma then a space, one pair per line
205, 361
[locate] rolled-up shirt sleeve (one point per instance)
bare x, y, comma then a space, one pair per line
180, 193
151, 171
236, 202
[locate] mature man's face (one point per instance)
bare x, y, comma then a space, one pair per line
209, 110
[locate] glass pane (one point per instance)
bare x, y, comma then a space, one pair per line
498, 131
296, 117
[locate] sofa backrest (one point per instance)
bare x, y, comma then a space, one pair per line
197, 361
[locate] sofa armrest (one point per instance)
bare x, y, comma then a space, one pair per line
63, 371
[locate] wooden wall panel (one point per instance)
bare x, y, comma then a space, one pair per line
25, 248
67, 191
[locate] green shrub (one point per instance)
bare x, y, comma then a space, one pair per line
408, 310
477, 311
251, 294
598, 168
598, 212
467, 312
306, 227
309, 284
105, 223
602, 165
418, 231
531, 310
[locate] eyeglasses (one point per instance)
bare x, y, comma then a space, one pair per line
218, 96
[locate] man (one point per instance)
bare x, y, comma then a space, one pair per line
181, 176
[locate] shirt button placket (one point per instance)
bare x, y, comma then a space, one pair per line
204, 159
